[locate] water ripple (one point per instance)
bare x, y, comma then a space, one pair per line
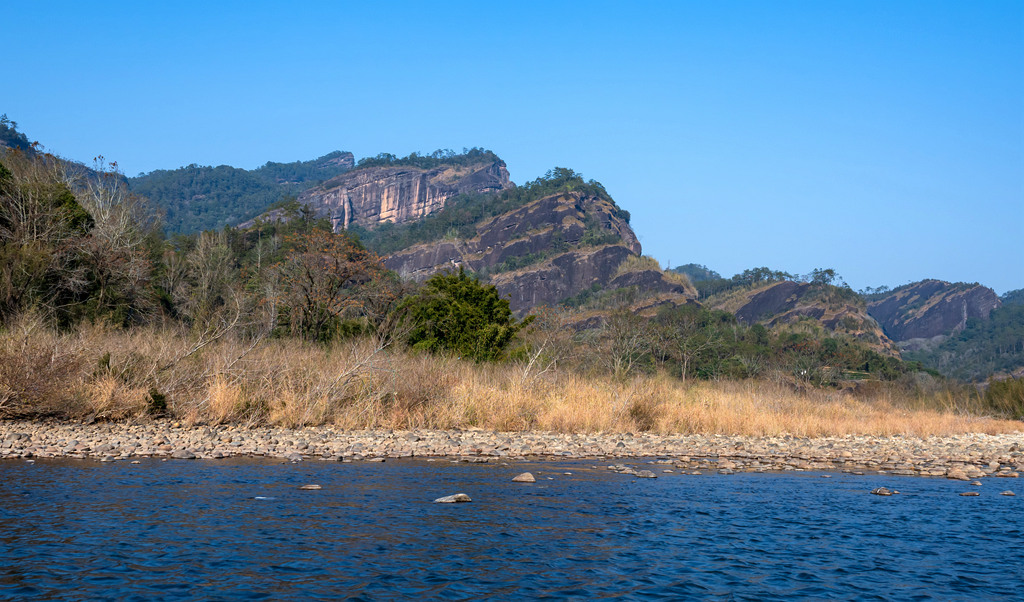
243, 530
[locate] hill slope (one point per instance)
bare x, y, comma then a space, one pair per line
197, 198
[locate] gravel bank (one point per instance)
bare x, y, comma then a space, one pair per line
966, 457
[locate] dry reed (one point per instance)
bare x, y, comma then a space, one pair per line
114, 374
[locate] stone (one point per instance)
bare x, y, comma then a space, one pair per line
881, 491
453, 499
969, 494
1007, 493
183, 454
646, 474
526, 477
311, 487
293, 457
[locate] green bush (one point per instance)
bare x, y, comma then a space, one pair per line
455, 312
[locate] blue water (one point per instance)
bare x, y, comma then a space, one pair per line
194, 530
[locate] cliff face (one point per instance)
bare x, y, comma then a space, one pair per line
787, 302
375, 195
931, 308
573, 241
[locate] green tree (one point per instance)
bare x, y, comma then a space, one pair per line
455, 312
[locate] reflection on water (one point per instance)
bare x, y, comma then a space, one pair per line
243, 529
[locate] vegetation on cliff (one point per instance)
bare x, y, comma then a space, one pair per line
462, 214
196, 198
470, 156
984, 347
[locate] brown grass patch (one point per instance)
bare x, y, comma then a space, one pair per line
112, 374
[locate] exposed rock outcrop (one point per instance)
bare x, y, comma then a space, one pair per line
786, 302
932, 308
375, 195
556, 235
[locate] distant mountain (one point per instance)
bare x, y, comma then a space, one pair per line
786, 303
697, 273
1013, 297
932, 308
196, 198
389, 190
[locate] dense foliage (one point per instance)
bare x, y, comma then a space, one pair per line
471, 156
71, 246
983, 347
456, 313
11, 137
196, 198
692, 341
697, 272
1015, 297
461, 214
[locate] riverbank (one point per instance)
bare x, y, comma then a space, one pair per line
965, 456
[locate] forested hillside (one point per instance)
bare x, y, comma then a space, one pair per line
197, 198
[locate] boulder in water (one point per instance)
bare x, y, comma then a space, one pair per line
453, 499
526, 477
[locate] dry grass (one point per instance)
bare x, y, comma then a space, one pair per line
355, 385
638, 263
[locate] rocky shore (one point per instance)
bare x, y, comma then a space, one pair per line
965, 457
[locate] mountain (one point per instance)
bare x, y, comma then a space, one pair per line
543, 252
834, 308
401, 190
197, 198
931, 308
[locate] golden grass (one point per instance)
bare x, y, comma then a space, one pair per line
354, 385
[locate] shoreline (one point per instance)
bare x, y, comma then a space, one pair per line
963, 457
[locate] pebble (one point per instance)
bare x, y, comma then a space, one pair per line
453, 499
968, 457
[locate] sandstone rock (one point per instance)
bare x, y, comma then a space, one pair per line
183, 454
453, 499
1007, 493
311, 487
646, 474
881, 491
969, 494
526, 477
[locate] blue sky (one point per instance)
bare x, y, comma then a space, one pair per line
882, 139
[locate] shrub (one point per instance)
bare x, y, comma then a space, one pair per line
455, 312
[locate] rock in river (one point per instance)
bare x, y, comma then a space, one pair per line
526, 477
311, 487
881, 491
452, 499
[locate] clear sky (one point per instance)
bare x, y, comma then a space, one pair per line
883, 139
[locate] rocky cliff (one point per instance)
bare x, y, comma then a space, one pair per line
544, 252
932, 308
836, 309
374, 195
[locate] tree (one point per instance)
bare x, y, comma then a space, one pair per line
454, 312
323, 280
